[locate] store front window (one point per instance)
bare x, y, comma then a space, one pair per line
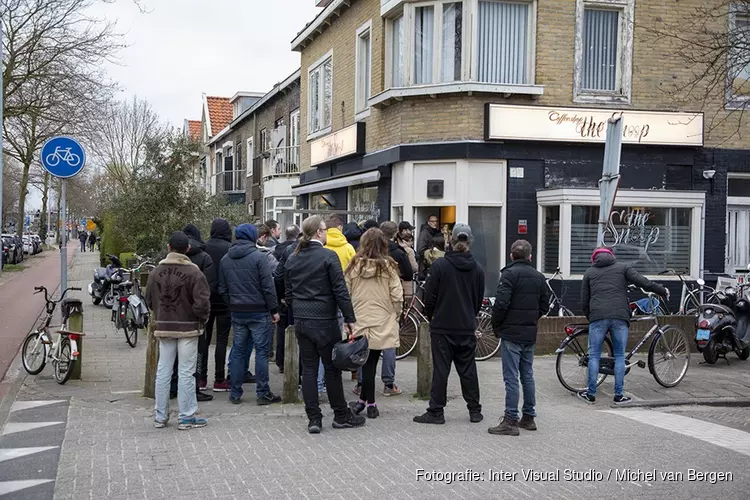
363, 199
551, 239
486, 225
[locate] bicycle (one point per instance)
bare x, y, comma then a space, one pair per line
690, 298
408, 325
669, 344
487, 343
63, 154
129, 311
555, 302
38, 345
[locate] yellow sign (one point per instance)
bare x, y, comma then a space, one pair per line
90, 225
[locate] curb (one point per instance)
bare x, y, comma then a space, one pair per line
735, 402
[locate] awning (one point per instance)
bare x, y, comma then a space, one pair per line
337, 182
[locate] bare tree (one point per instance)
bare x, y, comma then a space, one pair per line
11, 180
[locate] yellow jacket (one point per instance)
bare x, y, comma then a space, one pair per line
336, 241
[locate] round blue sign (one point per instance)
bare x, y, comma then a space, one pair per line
63, 157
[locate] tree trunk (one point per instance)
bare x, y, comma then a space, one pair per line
290, 392
22, 198
45, 209
152, 359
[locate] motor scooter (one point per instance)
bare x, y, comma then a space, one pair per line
725, 327
101, 288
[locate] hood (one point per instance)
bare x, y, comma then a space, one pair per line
432, 231
336, 238
463, 261
366, 268
241, 248
246, 232
352, 232
196, 242
176, 258
604, 259
221, 230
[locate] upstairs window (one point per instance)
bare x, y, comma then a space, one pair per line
320, 95
739, 57
504, 30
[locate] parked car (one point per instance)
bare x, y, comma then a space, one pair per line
28, 245
37, 242
7, 254
16, 244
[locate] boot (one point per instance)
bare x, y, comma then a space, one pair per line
506, 427
527, 422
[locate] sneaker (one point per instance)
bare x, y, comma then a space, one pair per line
192, 423
475, 417
357, 389
249, 378
352, 420
222, 386
357, 407
372, 412
429, 418
314, 426
281, 370
269, 398
527, 422
203, 384
586, 397
202, 397
622, 400
235, 401
392, 391
506, 427
160, 425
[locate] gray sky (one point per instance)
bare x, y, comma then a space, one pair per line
182, 48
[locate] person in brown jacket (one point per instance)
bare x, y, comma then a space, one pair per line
179, 295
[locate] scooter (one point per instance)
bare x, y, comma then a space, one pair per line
724, 327
101, 288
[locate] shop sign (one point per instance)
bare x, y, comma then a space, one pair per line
630, 227
340, 144
541, 123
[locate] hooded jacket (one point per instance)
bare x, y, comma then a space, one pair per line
454, 294
200, 258
336, 241
522, 298
179, 295
217, 247
353, 233
245, 279
604, 289
405, 271
424, 242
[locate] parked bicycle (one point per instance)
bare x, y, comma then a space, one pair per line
38, 346
129, 310
668, 355
555, 302
412, 317
692, 296
487, 343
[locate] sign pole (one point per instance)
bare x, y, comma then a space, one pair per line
63, 238
2, 145
610, 174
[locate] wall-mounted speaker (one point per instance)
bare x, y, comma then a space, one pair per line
435, 188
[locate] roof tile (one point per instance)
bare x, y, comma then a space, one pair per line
220, 112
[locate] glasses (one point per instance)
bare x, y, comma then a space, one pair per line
432, 221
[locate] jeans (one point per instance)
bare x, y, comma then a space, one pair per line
187, 349
518, 359
83, 246
250, 330
316, 339
459, 350
387, 369
223, 322
618, 330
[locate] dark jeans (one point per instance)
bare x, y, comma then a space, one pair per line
316, 339
459, 350
223, 322
518, 360
83, 246
368, 376
250, 330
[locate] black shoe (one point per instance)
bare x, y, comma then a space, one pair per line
372, 412
622, 400
314, 426
281, 370
429, 418
586, 397
203, 397
268, 398
235, 401
249, 378
506, 427
352, 420
356, 407
527, 422
475, 417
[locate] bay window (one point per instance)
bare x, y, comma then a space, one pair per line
738, 88
396, 38
503, 40
320, 96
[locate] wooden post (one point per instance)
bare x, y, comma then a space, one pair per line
152, 359
290, 393
424, 362
75, 324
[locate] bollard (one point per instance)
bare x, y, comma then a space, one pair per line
424, 362
290, 393
152, 359
73, 308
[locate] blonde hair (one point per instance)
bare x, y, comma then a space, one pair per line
310, 228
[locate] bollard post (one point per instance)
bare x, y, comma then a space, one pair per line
290, 393
75, 324
424, 362
152, 359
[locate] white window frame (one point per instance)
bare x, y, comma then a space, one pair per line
250, 155
566, 198
318, 66
623, 91
735, 101
362, 87
294, 137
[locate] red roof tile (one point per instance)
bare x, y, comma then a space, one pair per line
220, 113
194, 129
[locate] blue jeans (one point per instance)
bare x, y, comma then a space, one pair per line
186, 350
518, 360
618, 330
387, 369
250, 330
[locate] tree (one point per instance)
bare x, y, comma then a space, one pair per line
11, 180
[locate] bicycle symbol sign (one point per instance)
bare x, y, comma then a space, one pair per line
63, 157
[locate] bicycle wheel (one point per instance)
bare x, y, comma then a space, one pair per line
408, 333
669, 356
131, 331
34, 353
487, 343
64, 364
572, 365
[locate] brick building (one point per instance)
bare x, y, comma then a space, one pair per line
495, 112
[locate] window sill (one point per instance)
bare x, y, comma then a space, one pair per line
387, 97
586, 98
735, 103
319, 133
365, 113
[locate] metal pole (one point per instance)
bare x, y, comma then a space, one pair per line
2, 145
63, 238
610, 174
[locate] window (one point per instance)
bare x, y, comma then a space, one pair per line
424, 26
503, 42
250, 156
739, 57
263, 140
551, 239
364, 68
320, 96
397, 51
604, 47
452, 46
294, 138
486, 226
363, 199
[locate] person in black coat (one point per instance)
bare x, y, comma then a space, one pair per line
453, 297
217, 247
352, 233
282, 251
522, 298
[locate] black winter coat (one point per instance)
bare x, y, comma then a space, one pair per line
314, 284
278, 250
200, 258
245, 279
522, 298
398, 254
424, 241
604, 290
217, 247
454, 294
278, 273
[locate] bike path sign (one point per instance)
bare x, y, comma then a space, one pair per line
63, 157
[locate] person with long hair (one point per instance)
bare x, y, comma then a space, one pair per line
377, 295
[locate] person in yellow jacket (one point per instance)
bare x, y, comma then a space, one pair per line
337, 241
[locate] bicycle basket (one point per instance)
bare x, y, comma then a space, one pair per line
71, 306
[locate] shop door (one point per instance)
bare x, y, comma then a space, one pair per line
738, 238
